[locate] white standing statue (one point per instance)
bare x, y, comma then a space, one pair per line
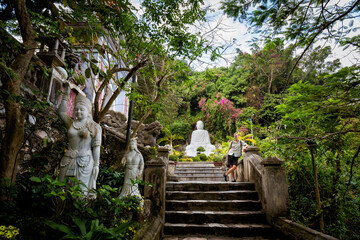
134, 170
81, 160
199, 138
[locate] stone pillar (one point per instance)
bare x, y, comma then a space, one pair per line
163, 153
56, 46
240, 171
171, 168
63, 53
155, 174
251, 150
275, 188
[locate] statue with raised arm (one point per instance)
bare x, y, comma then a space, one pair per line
81, 159
133, 170
199, 138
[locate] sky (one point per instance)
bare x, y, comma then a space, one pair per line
236, 35
228, 32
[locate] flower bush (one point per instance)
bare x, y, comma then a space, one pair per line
186, 160
9, 232
219, 114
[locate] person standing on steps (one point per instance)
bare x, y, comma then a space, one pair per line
234, 153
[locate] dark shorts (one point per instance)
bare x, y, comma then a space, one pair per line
233, 160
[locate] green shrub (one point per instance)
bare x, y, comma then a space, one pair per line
186, 160
197, 158
215, 158
42, 206
200, 149
153, 152
202, 157
181, 128
174, 158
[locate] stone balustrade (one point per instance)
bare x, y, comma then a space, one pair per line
269, 177
154, 196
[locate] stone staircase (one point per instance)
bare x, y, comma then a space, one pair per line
198, 207
198, 171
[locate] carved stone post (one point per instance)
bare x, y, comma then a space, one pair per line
275, 188
155, 173
171, 168
240, 171
163, 153
250, 151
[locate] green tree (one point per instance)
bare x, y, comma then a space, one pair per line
304, 22
314, 64
137, 37
14, 71
268, 66
169, 138
320, 115
234, 83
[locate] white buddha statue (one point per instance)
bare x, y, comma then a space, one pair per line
199, 138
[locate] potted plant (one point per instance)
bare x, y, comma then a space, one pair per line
216, 159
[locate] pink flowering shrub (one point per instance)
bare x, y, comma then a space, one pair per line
219, 113
243, 130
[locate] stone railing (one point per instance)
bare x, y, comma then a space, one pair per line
154, 196
269, 177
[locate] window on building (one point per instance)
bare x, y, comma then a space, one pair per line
55, 92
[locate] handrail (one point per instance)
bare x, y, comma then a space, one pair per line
258, 170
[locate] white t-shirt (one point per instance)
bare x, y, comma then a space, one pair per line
236, 148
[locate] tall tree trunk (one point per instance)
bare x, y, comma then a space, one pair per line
142, 120
317, 192
271, 80
99, 114
15, 115
335, 204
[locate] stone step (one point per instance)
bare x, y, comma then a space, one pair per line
200, 174
195, 165
208, 186
201, 179
200, 170
212, 195
215, 217
213, 205
214, 237
229, 230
